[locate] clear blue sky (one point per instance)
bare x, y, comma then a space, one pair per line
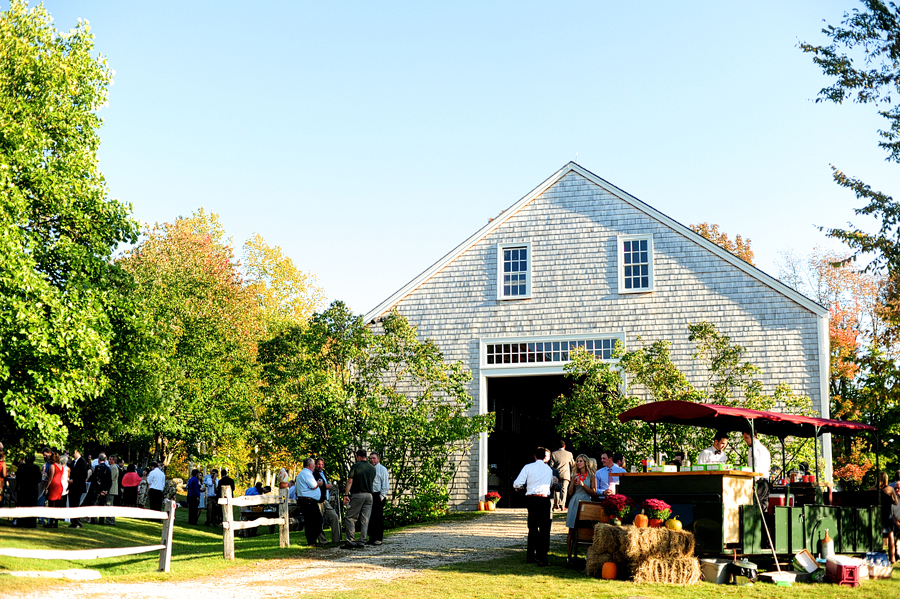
368, 139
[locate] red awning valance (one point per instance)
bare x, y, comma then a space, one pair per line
737, 419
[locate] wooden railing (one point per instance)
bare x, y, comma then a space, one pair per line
229, 525
61, 513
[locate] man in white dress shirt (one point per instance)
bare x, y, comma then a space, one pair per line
380, 489
762, 463
716, 453
535, 480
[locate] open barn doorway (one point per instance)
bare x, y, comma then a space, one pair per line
523, 406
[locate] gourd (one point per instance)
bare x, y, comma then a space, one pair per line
673, 523
641, 521
656, 523
609, 571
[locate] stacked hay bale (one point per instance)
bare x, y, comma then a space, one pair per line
644, 554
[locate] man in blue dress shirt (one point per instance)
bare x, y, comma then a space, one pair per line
308, 494
606, 474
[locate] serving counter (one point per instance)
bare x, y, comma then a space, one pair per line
708, 503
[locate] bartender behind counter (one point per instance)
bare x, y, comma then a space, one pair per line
716, 453
762, 462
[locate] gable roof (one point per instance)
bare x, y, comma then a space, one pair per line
494, 224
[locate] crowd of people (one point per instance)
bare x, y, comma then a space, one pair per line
74, 480
363, 502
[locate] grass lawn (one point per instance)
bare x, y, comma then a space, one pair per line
511, 577
198, 552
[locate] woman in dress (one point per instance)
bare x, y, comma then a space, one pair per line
143, 490
130, 483
57, 487
582, 487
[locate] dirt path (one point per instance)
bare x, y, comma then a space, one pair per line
403, 554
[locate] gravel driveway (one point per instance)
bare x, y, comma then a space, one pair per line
405, 553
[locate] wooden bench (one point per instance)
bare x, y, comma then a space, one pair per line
589, 513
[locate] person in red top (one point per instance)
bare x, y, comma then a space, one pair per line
57, 487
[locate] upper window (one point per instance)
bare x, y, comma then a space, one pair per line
635, 263
514, 271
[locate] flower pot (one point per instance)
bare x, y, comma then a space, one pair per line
491, 506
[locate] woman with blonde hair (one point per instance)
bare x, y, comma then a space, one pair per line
582, 487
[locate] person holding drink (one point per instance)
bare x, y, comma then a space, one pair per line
582, 488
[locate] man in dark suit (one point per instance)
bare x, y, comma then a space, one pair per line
563, 462
77, 484
103, 480
225, 481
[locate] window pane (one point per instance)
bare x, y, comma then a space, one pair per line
556, 356
645, 282
643, 245
627, 283
522, 290
506, 256
589, 344
523, 253
539, 357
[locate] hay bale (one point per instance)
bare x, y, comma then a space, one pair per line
640, 544
608, 538
595, 561
675, 570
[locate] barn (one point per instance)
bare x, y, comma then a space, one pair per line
580, 262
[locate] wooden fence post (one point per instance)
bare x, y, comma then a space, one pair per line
168, 529
227, 525
284, 529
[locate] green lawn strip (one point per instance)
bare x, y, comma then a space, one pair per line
197, 550
511, 577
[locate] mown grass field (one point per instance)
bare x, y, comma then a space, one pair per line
198, 553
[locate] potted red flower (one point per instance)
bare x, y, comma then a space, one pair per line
657, 510
491, 498
617, 506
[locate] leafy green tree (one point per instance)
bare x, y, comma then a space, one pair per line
336, 386
60, 294
206, 324
285, 294
590, 414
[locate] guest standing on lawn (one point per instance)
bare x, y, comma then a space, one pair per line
156, 483
535, 480
380, 489
193, 497
308, 493
358, 500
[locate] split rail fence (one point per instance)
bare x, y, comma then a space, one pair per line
61, 513
229, 525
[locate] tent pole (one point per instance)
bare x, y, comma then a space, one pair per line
655, 447
752, 461
783, 458
816, 453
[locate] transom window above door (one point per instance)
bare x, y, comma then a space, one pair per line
554, 350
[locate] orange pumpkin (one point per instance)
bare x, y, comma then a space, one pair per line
604, 517
656, 523
673, 523
641, 521
609, 571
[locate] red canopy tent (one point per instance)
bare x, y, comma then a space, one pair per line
739, 419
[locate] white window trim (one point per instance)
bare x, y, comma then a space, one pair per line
500, 248
539, 367
620, 240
